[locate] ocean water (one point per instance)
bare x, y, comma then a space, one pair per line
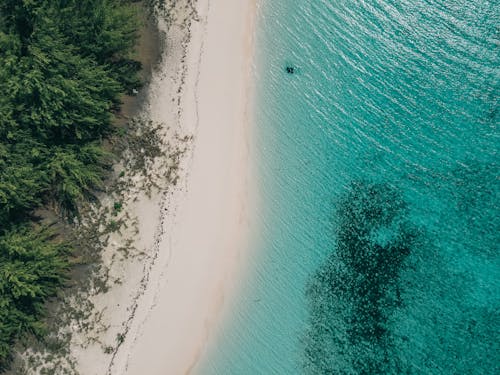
376, 246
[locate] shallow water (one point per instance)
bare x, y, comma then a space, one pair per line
376, 246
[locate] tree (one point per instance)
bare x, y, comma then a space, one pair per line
32, 266
63, 66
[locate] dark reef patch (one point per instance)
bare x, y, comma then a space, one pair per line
354, 294
394, 297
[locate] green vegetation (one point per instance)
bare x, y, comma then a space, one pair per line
63, 66
32, 266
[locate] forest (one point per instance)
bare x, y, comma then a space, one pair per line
64, 64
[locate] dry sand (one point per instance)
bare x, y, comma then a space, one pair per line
203, 224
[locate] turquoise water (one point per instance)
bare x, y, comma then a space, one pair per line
376, 244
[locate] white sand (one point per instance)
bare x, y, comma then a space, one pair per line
200, 243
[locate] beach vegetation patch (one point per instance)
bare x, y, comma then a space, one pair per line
33, 265
64, 66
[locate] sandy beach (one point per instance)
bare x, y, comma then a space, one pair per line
161, 315
207, 236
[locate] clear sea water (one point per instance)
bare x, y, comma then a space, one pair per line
376, 249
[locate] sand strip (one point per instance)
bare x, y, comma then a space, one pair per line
200, 242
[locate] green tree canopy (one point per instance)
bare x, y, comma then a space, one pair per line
63, 66
32, 267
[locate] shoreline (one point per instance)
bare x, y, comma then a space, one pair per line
206, 237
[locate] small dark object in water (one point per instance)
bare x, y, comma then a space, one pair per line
290, 69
